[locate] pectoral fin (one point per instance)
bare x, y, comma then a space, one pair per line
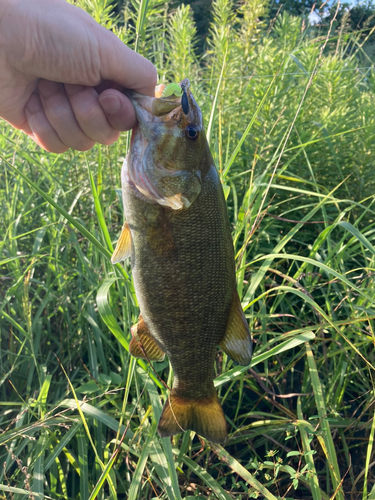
237, 341
143, 345
124, 245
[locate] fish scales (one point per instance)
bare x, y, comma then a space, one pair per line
185, 293
182, 260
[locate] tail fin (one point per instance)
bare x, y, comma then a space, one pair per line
204, 416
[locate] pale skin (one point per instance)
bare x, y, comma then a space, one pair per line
61, 75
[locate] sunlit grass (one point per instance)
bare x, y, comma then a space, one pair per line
77, 414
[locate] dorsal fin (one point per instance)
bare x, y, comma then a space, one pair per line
124, 245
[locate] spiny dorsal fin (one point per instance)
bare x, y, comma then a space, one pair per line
124, 245
144, 343
237, 341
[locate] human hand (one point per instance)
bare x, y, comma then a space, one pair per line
61, 74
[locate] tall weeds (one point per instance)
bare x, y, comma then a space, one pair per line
77, 412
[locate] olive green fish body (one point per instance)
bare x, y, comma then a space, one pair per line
183, 269
178, 235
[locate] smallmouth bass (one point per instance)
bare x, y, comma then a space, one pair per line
178, 235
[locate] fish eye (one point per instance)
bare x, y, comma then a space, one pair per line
191, 132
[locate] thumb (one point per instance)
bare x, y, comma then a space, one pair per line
124, 66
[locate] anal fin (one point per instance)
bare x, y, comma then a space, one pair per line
124, 245
143, 345
237, 341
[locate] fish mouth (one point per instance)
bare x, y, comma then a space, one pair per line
152, 110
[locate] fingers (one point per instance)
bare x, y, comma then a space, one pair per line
53, 41
74, 116
61, 117
42, 130
118, 109
90, 115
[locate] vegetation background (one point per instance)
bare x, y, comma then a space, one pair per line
288, 101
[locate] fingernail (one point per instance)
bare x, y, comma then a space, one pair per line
110, 104
33, 105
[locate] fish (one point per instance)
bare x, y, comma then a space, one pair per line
178, 235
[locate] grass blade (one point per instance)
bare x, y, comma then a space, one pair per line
213, 109
241, 471
247, 130
38, 482
165, 442
313, 479
83, 463
233, 373
61, 445
12, 489
99, 211
324, 423
207, 478
357, 234
368, 457
96, 413
63, 212
137, 476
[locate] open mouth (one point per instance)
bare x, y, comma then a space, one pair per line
148, 108
164, 105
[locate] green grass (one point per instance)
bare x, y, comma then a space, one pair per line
78, 414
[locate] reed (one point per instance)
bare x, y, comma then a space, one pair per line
77, 413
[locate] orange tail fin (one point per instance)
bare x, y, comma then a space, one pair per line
204, 416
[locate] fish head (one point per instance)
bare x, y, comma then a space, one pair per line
169, 153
